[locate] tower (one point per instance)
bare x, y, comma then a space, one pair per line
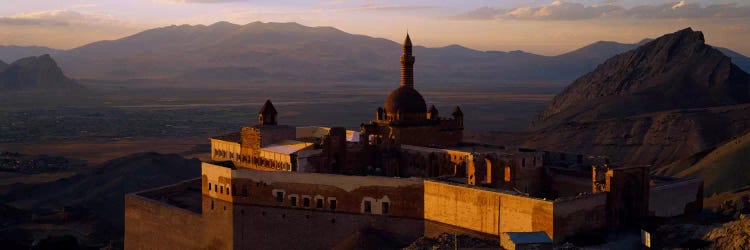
432, 113
407, 64
267, 114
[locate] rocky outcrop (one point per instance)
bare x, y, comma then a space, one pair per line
664, 101
450, 241
39, 73
675, 71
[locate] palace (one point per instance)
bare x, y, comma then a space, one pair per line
403, 175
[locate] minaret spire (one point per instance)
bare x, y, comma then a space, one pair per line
407, 64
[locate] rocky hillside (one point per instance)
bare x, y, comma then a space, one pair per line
671, 98
729, 235
675, 71
102, 192
723, 168
34, 73
3, 66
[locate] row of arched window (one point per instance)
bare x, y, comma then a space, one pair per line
263, 162
253, 160
222, 189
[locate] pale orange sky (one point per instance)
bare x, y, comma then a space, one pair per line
543, 27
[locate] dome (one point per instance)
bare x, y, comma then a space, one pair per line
406, 100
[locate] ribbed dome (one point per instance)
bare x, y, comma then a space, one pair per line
406, 100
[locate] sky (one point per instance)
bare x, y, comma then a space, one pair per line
548, 27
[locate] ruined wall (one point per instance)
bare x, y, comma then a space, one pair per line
677, 198
426, 135
432, 162
579, 214
485, 211
564, 183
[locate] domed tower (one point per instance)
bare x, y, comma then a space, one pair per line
405, 119
404, 104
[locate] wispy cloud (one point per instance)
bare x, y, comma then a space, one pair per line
563, 10
62, 28
58, 18
202, 1
373, 7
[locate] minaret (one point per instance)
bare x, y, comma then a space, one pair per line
407, 64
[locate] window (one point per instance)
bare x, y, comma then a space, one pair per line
212, 204
333, 204
306, 202
386, 207
368, 207
294, 201
279, 196
319, 203
507, 174
209, 186
216, 187
221, 189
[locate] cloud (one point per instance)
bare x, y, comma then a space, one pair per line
202, 1
371, 7
62, 28
559, 10
483, 13
58, 18
563, 10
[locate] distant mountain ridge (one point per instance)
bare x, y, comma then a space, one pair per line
289, 52
34, 73
13, 53
668, 99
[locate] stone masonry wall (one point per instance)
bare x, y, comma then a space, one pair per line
485, 211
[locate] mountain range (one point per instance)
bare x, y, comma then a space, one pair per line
670, 100
289, 52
